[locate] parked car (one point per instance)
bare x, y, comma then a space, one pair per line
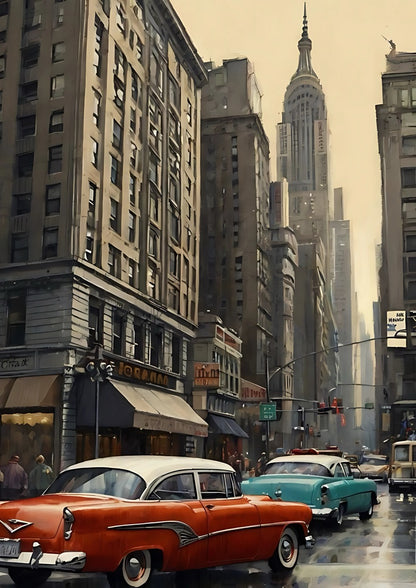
128, 515
326, 483
375, 466
402, 473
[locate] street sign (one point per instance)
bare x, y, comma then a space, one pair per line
268, 411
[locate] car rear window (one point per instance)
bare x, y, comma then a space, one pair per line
304, 468
108, 481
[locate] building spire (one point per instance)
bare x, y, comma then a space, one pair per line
305, 47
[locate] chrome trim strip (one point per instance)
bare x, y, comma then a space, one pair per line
20, 525
185, 533
71, 561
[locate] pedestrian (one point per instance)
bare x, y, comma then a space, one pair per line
40, 477
15, 479
261, 464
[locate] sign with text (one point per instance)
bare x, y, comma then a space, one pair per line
251, 392
268, 411
207, 374
396, 328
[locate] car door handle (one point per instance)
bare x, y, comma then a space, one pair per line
209, 506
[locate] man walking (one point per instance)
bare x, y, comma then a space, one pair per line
15, 479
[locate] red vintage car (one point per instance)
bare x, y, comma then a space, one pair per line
128, 515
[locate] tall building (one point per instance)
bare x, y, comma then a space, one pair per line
396, 123
99, 242
302, 158
234, 279
234, 271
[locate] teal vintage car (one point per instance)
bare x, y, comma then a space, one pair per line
325, 483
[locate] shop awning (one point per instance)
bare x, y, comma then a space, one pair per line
5, 387
126, 405
34, 391
226, 426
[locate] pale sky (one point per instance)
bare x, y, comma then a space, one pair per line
348, 56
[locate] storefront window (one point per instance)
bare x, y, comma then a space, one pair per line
27, 435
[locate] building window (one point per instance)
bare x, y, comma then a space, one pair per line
132, 189
26, 126
4, 7
30, 56
154, 207
56, 121
114, 215
25, 165
189, 112
29, 92
133, 120
133, 155
174, 263
408, 177
94, 152
120, 19
154, 169
139, 340
57, 86
153, 281
411, 290
55, 159
89, 248
21, 204
118, 332
50, 242
19, 247
409, 145
114, 261
174, 225
16, 319
53, 199
117, 134
410, 242
96, 108
95, 322
132, 273
173, 298
99, 29
115, 171
156, 339
153, 244
156, 74
92, 197
132, 227
58, 52
176, 354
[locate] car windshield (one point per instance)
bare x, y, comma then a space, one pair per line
373, 461
292, 467
109, 481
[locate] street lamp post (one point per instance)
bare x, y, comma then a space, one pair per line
98, 371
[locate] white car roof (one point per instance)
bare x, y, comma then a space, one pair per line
150, 467
325, 460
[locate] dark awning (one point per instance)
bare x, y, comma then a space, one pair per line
226, 426
127, 405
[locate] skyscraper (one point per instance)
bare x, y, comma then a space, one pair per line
302, 158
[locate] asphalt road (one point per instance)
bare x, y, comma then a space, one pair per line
379, 553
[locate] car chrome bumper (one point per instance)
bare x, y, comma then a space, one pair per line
71, 561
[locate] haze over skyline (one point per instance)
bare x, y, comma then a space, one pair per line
349, 47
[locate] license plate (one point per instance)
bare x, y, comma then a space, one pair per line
9, 547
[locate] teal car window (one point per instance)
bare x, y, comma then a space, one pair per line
305, 468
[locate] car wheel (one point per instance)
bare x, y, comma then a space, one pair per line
339, 518
26, 577
134, 570
367, 514
286, 553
